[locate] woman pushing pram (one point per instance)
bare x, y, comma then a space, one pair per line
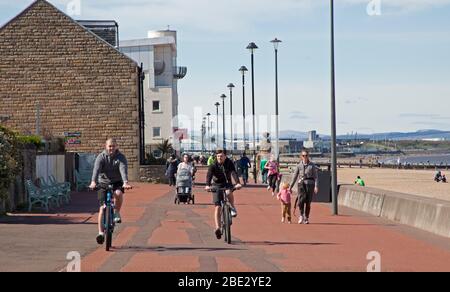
184, 182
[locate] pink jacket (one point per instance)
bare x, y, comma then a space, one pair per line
273, 167
285, 196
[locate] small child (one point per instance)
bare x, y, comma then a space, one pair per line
284, 196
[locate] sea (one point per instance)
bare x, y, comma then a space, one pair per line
420, 159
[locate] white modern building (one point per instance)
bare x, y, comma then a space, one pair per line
314, 142
158, 54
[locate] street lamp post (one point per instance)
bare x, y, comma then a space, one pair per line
223, 96
203, 135
276, 43
209, 132
252, 47
217, 104
333, 119
243, 69
231, 86
211, 127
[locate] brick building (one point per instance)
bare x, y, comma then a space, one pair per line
79, 82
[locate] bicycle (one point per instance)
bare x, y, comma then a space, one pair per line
226, 218
108, 217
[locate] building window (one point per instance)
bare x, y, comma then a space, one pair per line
157, 132
156, 106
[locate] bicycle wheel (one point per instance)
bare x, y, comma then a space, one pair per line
227, 223
108, 229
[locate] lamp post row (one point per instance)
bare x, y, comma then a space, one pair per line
252, 47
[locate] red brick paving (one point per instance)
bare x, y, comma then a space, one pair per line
231, 265
153, 262
171, 232
95, 260
157, 235
328, 244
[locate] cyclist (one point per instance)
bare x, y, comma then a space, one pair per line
110, 168
220, 173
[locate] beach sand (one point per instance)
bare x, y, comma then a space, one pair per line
416, 182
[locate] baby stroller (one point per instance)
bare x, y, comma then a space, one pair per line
184, 187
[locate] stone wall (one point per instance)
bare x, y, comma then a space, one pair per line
81, 83
428, 214
153, 174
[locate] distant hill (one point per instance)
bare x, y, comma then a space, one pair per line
418, 135
293, 135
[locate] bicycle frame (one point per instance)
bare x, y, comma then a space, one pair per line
108, 219
226, 218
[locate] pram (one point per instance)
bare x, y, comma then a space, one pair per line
184, 187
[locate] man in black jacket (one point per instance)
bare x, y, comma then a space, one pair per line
219, 176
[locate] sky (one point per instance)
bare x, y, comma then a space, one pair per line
392, 56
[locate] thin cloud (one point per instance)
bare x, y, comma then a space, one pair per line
424, 116
418, 115
433, 124
198, 15
203, 17
221, 16
355, 100
403, 5
296, 115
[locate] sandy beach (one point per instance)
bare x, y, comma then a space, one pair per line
417, 182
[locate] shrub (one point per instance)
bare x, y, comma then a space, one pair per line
30, 139
151, 160
10, 160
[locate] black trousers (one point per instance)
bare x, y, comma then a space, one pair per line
306, 192
273, 181
172, 180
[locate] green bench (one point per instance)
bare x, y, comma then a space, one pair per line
40, 196
59, 190
82, 179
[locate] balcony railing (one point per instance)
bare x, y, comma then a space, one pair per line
179, 72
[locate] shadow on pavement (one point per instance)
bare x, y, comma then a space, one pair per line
345, 224
282, 243
45, 220
249, 186
171, 249
80, 210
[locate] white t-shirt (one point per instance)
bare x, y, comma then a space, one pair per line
186, 166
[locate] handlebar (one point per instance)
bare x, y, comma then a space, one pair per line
215, 189
97, 187
108, 187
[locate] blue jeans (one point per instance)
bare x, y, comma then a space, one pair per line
264, 174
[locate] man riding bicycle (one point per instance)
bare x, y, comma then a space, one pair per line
220, 174
110, 168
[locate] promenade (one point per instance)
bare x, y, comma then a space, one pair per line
157, 235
